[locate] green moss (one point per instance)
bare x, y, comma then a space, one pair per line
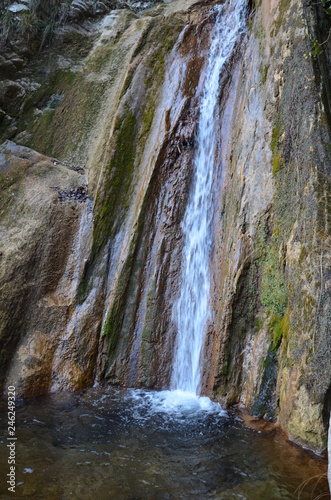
265, 73
276, 163
259, 324
276, 330
224, 369
273, 287
276, 153
70, 77
276, 132
113, 199
282, 10
55, 92
111, 328
156, 64
113, 323
148, 116
103, 55
118, 177
303, 255
279, 328
316, 48
286, 326
260, 35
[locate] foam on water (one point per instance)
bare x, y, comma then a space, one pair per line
174, 405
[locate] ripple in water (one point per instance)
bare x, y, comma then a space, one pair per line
125, 444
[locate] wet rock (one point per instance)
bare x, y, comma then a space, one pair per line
23, 138
259, 203
38, 241
7, 67
18, 7
77, 194
265, 405
80, 9
11, 96
2, 116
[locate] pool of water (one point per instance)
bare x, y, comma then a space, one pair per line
125, 444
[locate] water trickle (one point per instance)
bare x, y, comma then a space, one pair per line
191, 312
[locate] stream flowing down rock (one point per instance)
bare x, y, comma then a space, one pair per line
100, 135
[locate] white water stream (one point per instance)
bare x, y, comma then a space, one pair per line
191, 312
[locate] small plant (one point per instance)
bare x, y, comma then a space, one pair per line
327, 6
37, 21
29, 24
7, 23
276, 163
47, 33
317, 48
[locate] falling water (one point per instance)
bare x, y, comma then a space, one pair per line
191, 312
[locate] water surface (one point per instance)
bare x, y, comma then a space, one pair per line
123, 444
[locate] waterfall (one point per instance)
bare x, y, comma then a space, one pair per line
192, 311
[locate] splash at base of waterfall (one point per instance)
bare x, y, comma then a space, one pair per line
176, 403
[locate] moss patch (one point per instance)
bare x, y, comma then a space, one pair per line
277, 162
118, 177
273, 287
278, 329
265, 73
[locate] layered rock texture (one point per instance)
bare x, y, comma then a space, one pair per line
98, 137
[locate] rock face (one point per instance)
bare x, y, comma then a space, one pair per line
91, 241
272, 332
37, 266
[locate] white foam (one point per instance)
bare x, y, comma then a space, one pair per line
176, 403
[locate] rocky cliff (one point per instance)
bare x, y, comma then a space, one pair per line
98, 138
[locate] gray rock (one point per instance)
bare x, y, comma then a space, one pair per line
18, 7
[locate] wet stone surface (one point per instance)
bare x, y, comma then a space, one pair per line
79, 194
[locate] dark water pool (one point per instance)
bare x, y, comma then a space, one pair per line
117, 444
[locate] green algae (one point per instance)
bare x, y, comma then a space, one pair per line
278, 329
118, 178
273, 286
